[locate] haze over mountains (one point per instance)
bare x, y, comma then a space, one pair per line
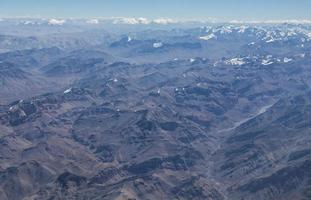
154, 110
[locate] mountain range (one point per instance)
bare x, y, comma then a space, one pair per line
219, 112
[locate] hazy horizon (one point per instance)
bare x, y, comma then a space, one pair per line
221, 10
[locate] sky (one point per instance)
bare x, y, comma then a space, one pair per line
175, 9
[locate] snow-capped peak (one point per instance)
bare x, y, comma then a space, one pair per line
131, 21
93, 21
57, 22
164, 21
242, 29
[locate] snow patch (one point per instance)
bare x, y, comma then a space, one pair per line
226, 30
235, 61
68, 91
208, 37
302, 55
192, 60
283, 34
271, 40
286, 60
266, 62
157, 44
29, 23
